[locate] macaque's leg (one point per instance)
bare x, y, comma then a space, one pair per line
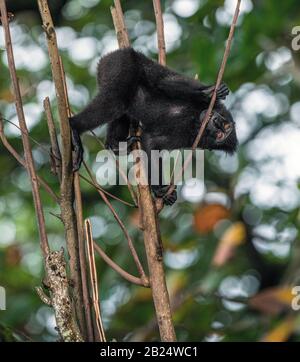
184, 88
118, 77
104, 108
155, 167
117, 131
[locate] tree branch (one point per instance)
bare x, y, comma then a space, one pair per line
60, 299
214, 96
118, 269
55, 151
79, 218
25, 138
122, 226
152, 240
22, 162
66, 187
160, 32
98, 187
122, 173
94, 279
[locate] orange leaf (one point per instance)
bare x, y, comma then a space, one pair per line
272, 300
13, 255
282, 331
207, 216
233, 236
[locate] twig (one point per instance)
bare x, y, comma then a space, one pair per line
30, 137
94, 279
219, 78
25, 139
214, 96
160, 32
152, 240
66, 187
55, 151
162, 59
122, 226
123, 175
58, 216
118, 269
82, 257
119, 24
44, 298
22, 162
81, 245
98, 187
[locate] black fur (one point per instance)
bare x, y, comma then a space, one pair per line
170, 107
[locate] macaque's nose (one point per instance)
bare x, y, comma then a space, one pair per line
219, 124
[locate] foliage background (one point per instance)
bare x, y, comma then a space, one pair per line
231, 250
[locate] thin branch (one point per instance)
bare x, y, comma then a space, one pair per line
122, 173
98, 187
118, 269
214, 96
94, 279
22, 162
30, 137
66, 187
44, 298
160, 32
220, 76
79, 219
55, 151
25, 139
162, 59
152, 239
122, 226
119, 24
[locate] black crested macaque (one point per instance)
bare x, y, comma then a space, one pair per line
170, 108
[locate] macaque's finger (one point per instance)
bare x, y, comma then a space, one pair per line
77, 150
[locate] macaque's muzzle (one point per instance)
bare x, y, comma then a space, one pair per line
219, 133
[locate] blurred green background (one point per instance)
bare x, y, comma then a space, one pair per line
232, 251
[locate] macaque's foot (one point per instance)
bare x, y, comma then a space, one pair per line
162, 192
132, 139
77, 150
222, 92
114, 146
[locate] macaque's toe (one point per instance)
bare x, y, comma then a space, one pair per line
132, 139
171, 198
223, 91
162, 192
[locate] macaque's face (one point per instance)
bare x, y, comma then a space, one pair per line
220, 133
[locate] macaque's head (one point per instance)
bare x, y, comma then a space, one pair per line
220, 131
